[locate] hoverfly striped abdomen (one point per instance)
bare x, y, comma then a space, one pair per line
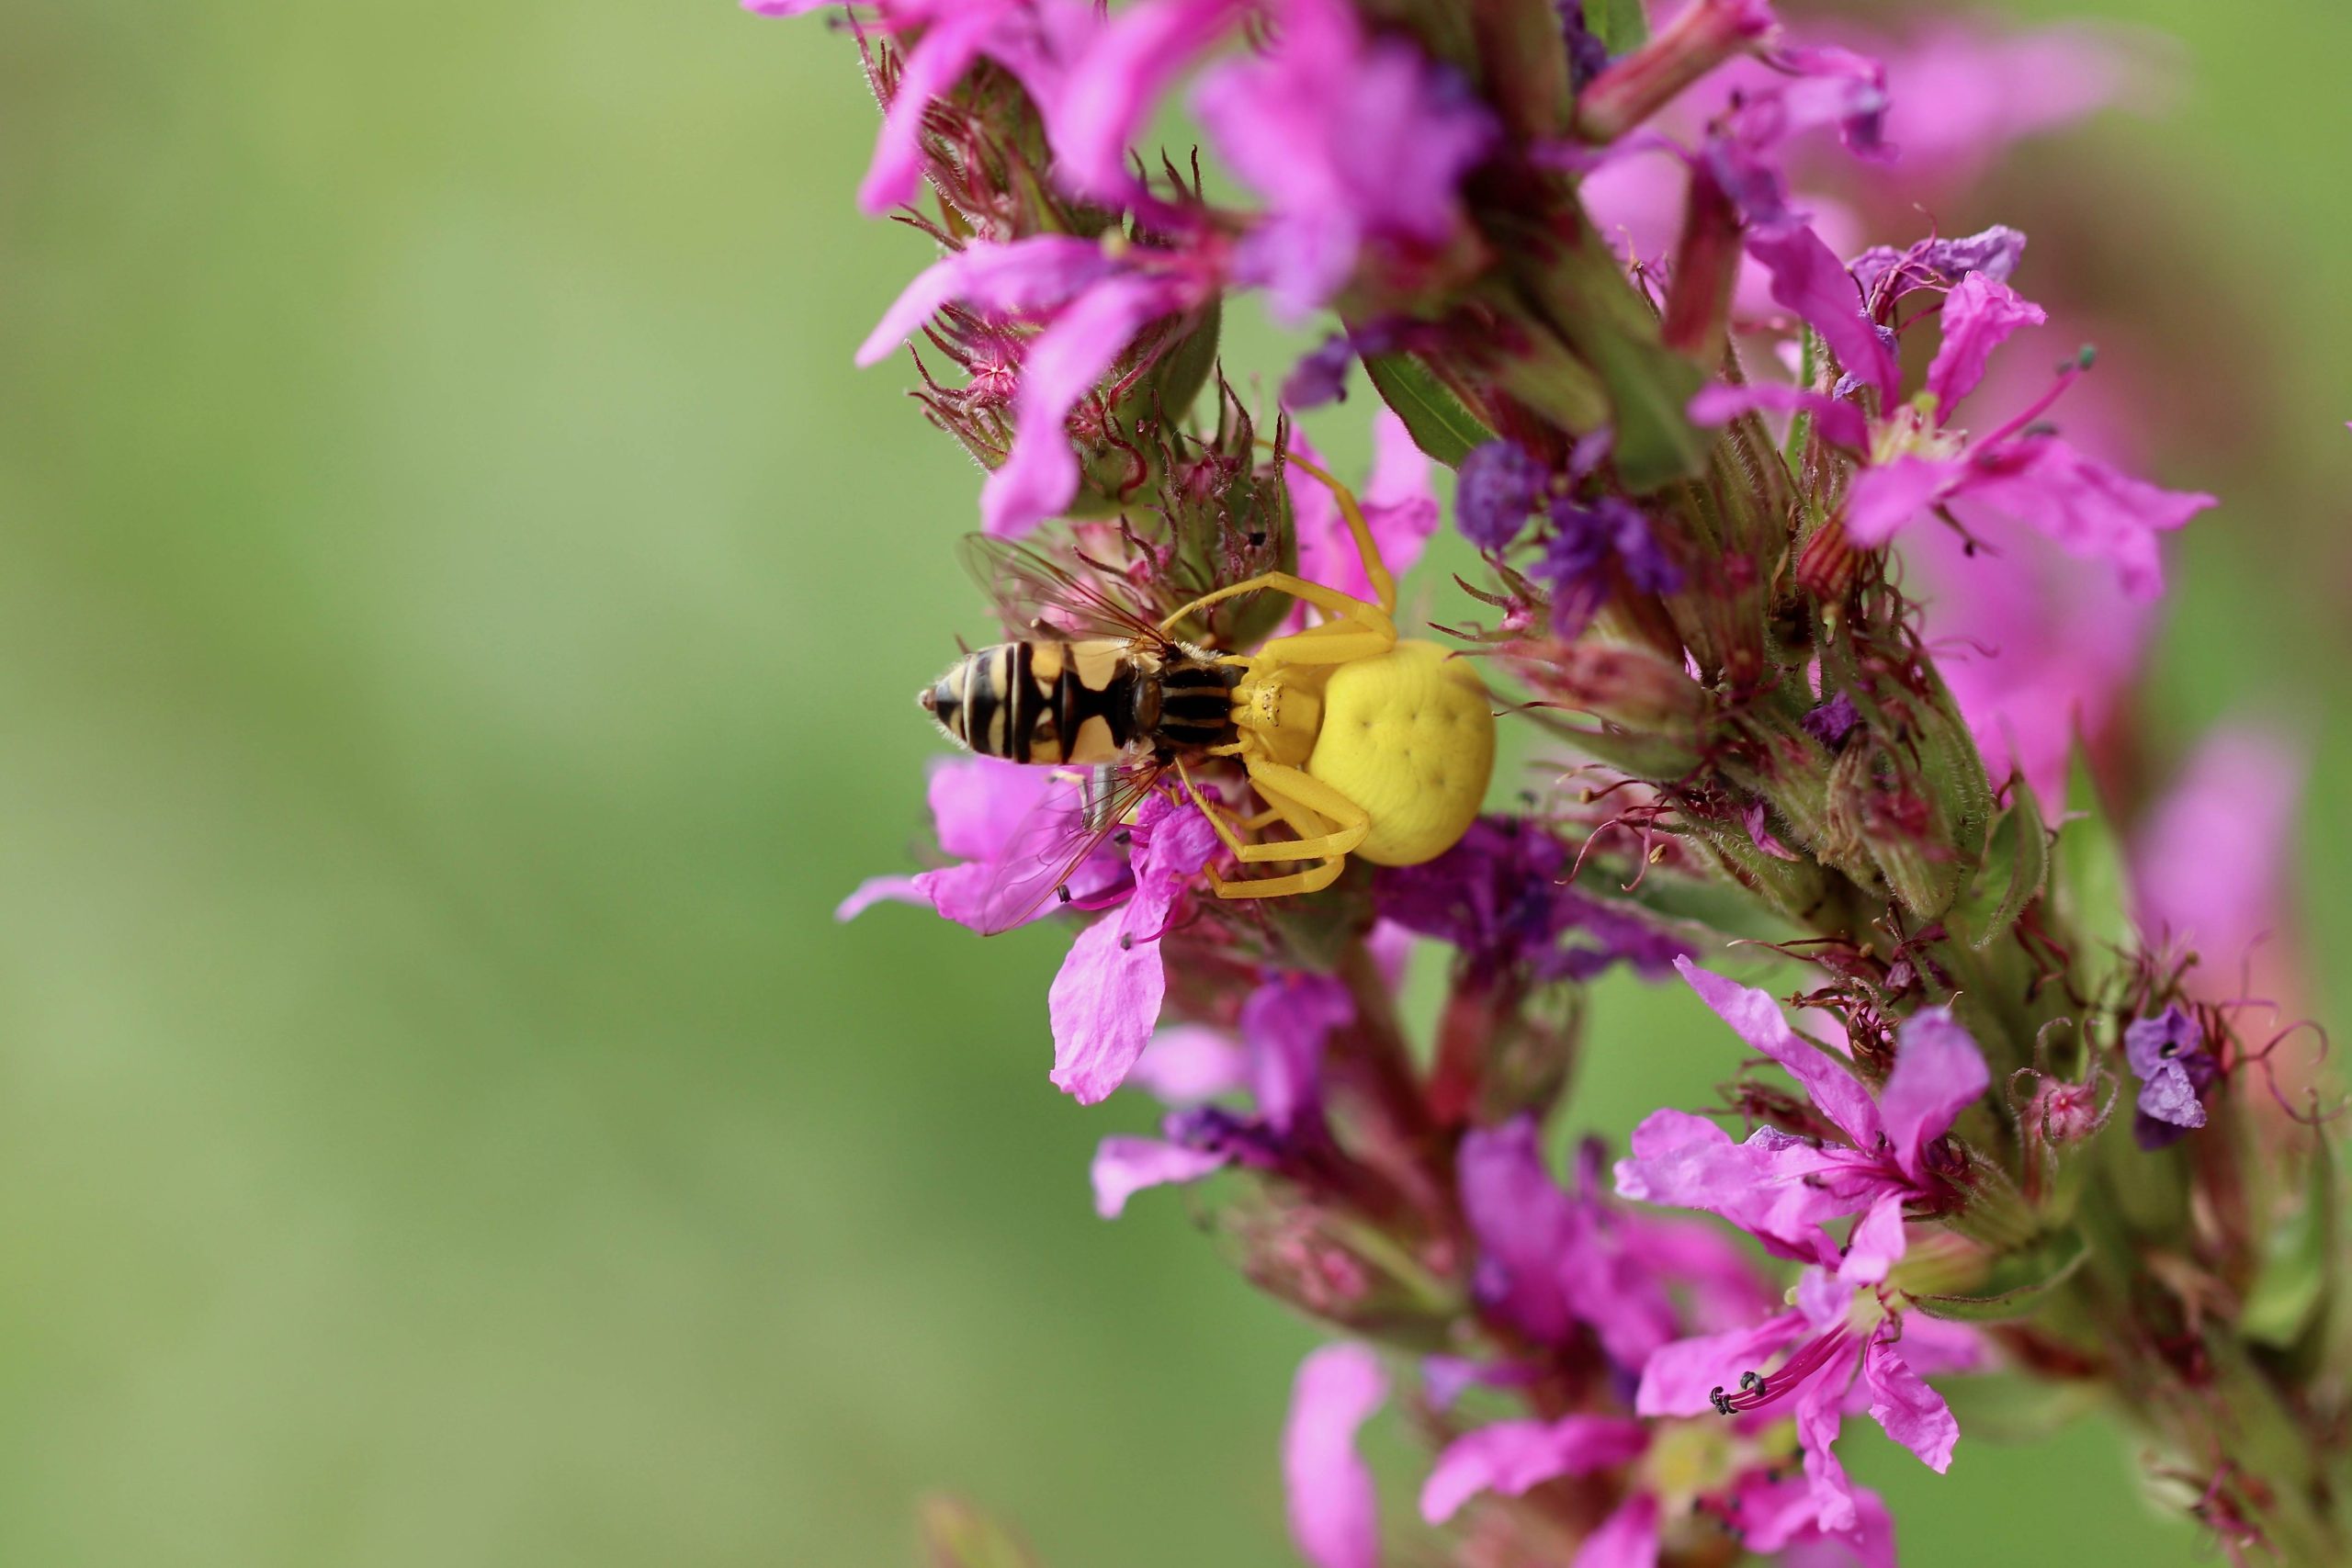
1082, 702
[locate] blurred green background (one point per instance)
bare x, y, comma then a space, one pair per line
458, 609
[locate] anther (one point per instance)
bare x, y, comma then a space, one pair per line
1123, 838
1062, 893
2087, 356
1753, 1382
1721, 1401
1126, 941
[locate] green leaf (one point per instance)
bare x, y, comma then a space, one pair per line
1618, 24
2020, 847
1440, 425
2298, 1263
2036, 1274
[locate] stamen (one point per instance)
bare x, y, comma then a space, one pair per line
1757, 1391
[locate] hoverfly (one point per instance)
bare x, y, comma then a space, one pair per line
1357, 741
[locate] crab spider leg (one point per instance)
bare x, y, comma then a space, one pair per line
1307, 803
1330, 600
1375, 570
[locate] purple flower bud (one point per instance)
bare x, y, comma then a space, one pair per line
1584, 540
2167, 1053
1833, 720
1321, 376
1498, 490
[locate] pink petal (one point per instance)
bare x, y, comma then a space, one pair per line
1979, 315
1756, 1018
1102, 1005
977, 803
1817, 1416
880, 889
2091, 510
1522, 1221
1063, 364
1939, 1073
2210, 866
1877, 1244
1125, 1167
1626, 1538
946, 50
1837, 420
1932, 1347
1106, 999
1022, 275
1884, 497
1512, 1456
1808, 279
1334, 1513
1285, 1022
1188, 1064
1117, 83
1913, 1414
1682, 1377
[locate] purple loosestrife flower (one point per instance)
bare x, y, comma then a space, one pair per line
1833, 720
1106, 999
1550, 1260
1682, 1474
1916, 461
1334, 1511
1780, 1187
1498, 486
1353, 142
1093, 298
978, 807
1501, 897
2210, 863
1844, 1349
1587, 543
1118, 81
2168, 1056
1035, 40
1284, 1026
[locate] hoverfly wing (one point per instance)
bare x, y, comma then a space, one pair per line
1049, 851
1037, 599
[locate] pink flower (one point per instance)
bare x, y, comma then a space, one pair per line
1782, 1188
985, 811
1118, 81
1284, 1026
1334, 1512
1510, 1457
1916, 461
1106, 999
1549, 1261
1093, 298
1675, 1470
2210, 863
1840, 1348
1353, 142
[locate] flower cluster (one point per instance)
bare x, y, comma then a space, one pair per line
1786, 537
